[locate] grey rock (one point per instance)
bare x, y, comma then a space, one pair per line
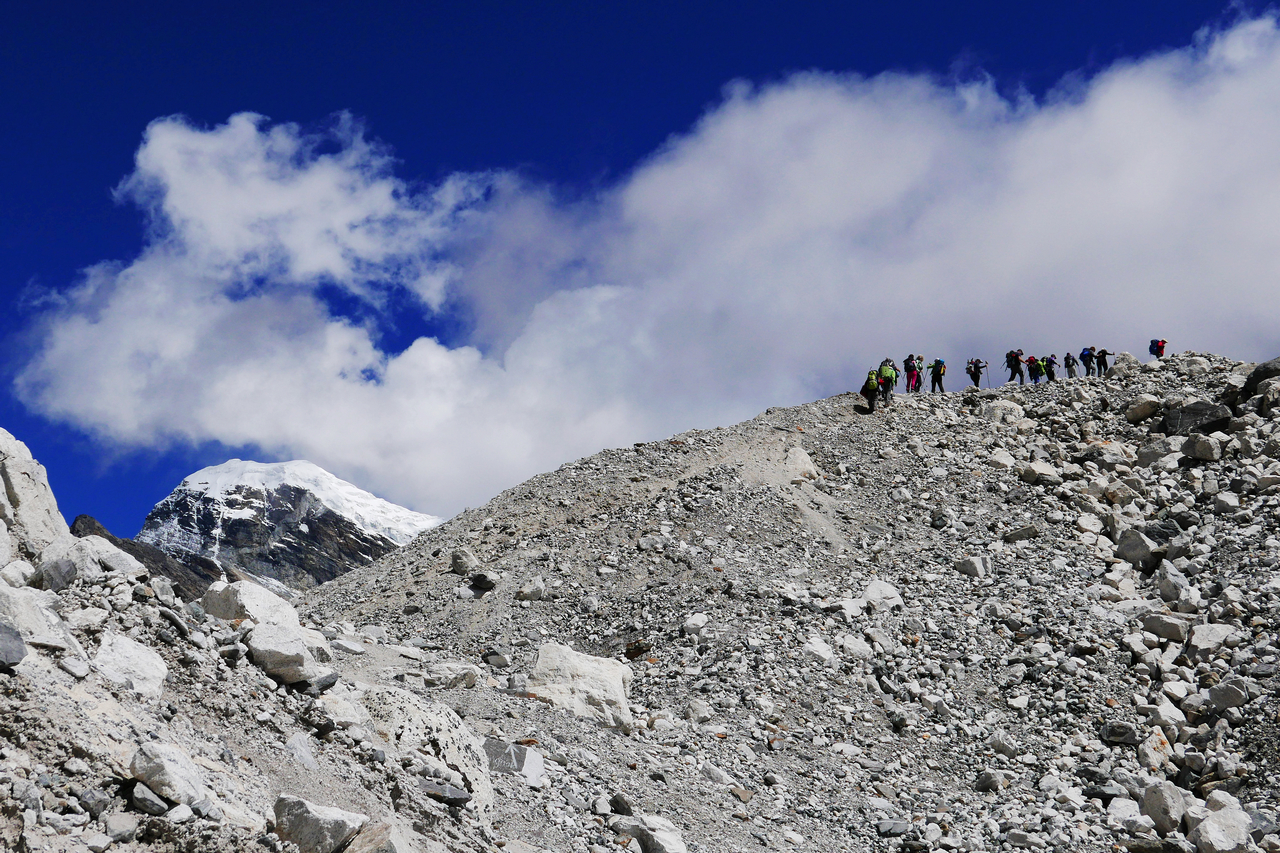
974, 567
655, 834
1202, 447
1198, 416
281, 651
1119, 731
463, 562
128, 663
450, 795
1165, 805
146, 801
1134, 547
12, 648
121, 826
1167, 626
168, 771
1222, 831
517, 760
1231, 693
315, 828
1206, 639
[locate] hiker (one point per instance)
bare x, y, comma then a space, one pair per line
1033, 369
1086, 358
1069, 362
974, 368
937, 370
1157, 347
1013, 361
1100, 360
913, 373
871, 389
1051, 366
888, 379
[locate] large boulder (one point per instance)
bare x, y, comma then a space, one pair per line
1261, 373
169, 772
67, 558
414, 725
128, 663
281, 651
315, 829
1125, 365
247, 600
28, 510
33, 612
1133, 547
1198, 416
586, 685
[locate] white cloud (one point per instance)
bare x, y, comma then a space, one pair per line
795, 236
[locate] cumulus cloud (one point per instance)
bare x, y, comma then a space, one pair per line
796, 235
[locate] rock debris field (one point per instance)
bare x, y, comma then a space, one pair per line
1025, 617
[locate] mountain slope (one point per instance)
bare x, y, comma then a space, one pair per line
291, 522
964, 621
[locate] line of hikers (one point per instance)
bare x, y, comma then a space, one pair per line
881, 381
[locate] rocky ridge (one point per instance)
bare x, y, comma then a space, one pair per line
1023, 618
291, 522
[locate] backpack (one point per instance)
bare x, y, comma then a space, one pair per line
1155, 344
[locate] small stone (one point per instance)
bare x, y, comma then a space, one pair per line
179, 814
12, 648
76, 667
621, 805
97, 841
121, 826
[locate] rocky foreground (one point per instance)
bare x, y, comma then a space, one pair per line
1029, 617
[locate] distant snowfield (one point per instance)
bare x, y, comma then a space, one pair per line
369, 512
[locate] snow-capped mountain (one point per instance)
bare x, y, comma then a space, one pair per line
289, 521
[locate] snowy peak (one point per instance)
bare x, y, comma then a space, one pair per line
229, 482
291, 522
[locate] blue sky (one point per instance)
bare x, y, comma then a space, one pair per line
529, 171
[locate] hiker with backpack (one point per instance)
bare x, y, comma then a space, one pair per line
1050, 366
1100, 360
1157, 347
1013, 361
888, 379
1086, 358
913, 372
1033, 369
974, 368
937, 370
871, 389
1070, 363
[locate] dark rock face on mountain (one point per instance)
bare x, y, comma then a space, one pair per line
191, 576
291, 522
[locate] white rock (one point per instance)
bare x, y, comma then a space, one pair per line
89, 558
33, 612
798, 465
411, 724
815, 648
1142, 407
128, 663
715, 774
1223, 831
588, 686
27, 504
317, 645
1206, 639
17, 573
655, 834
315, 829
281, 651
169, 772
882, 595
694, 624
1165, 805
246, 600
854, 647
